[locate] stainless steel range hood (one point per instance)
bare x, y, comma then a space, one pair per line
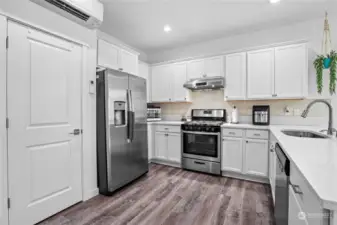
211, 83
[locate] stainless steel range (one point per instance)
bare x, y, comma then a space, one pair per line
201, 141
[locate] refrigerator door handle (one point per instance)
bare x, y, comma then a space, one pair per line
131, 117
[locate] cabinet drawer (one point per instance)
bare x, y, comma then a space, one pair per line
257, 134
305, 196
232, 132
168, 128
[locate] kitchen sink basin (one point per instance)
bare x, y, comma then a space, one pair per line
304, 134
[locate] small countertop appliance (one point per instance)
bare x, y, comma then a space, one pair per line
261, 115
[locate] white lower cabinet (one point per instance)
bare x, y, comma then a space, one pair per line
232, 154
160, 145
256, 157
296, 215
167, 144
244, 155
174, 147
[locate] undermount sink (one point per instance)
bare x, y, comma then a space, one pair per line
304, 134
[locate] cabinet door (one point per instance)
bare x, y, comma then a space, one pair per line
129, 62
260, 74
174, 147
232, 154
108, 55
291, 71
272, 168
3, 131
195, 69
179, 72
256, 157
214, 67
160, 145
144, 71
236, 75
150, 141
294, 210
160, 85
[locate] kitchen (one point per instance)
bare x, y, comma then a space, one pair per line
266, 66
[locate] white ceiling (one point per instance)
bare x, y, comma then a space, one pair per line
140, 23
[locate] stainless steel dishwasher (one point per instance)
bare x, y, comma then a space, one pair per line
281, 189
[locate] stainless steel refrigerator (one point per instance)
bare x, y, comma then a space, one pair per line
122, 151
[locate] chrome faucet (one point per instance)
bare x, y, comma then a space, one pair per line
306, 111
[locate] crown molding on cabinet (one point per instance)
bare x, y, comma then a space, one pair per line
280, 44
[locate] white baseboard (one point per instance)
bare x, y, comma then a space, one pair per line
90, 194
240, 176
166, 162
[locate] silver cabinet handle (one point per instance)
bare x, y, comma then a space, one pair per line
258, 135
233, 133
297, 189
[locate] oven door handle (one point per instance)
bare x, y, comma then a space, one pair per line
204, 133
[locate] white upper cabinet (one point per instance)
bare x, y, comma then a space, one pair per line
167, 83
179, 72
114, 57
196, 69
129, 62
214, 67
144, 72
291, 71
160, 85
236, 74
108, 55
260, 74
209, 67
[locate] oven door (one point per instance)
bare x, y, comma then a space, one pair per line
201, 145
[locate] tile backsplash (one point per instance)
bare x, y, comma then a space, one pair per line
215, 100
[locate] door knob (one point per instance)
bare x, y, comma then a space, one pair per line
76, 132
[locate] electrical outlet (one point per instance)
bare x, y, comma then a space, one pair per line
288, 111
297, 112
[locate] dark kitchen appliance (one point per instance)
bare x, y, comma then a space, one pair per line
201, 141
282, 187
261, 115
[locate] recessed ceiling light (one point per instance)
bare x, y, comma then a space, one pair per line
167, 28
274, 1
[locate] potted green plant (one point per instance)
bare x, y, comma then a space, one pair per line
326, 62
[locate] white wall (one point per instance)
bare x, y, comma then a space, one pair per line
34, 14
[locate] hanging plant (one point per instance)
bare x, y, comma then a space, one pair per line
319, 65
332, 86
328, 60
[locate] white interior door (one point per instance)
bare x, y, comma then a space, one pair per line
3, 137
44, 108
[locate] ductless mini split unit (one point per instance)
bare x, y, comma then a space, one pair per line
88, 13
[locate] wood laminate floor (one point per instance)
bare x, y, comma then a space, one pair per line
168, 196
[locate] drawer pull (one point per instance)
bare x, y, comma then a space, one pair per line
297, 189
199, 163
258, 135
232, 133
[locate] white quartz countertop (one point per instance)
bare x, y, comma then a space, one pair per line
316, 159
166, 122
244, 126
